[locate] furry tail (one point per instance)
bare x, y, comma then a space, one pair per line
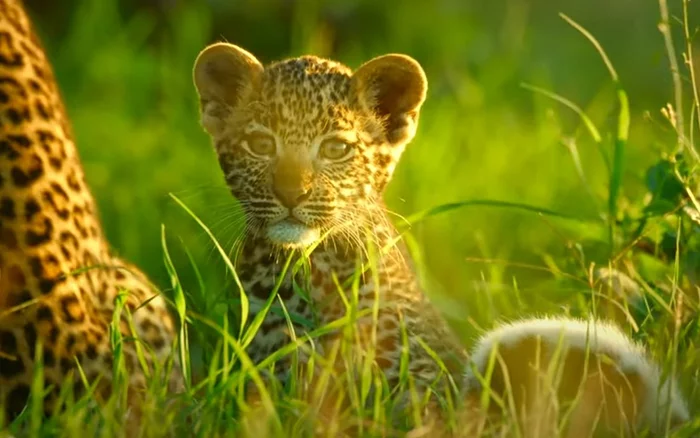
571, 378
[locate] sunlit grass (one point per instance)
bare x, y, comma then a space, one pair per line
214, 404
504, 221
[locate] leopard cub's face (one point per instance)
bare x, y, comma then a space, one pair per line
306, 145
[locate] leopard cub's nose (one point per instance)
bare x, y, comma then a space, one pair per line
291, 197
292, 181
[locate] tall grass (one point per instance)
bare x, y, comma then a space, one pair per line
581, 191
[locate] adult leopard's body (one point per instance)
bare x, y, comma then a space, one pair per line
58, 277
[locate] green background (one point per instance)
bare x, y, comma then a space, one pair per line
124, 68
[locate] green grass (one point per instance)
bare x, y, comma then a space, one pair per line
530, 169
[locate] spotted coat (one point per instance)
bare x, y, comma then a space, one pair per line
58, 278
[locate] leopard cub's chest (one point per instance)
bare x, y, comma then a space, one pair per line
313, 292
318, 280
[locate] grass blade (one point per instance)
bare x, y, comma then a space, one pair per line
623, 126
444, 208
180, 307
590, 126
595, 43
245, 304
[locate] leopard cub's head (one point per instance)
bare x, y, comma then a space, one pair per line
307, 145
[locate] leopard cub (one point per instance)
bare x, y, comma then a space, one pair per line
307, 146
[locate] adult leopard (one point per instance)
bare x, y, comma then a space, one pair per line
307, 146
58, 277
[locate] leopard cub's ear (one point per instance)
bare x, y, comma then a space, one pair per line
223, 74
393, 87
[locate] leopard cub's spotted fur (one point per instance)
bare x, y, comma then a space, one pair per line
58, 278
307, 146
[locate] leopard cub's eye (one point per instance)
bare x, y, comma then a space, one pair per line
334, 149
261, 144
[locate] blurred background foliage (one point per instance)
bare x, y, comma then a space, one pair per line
124, 67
